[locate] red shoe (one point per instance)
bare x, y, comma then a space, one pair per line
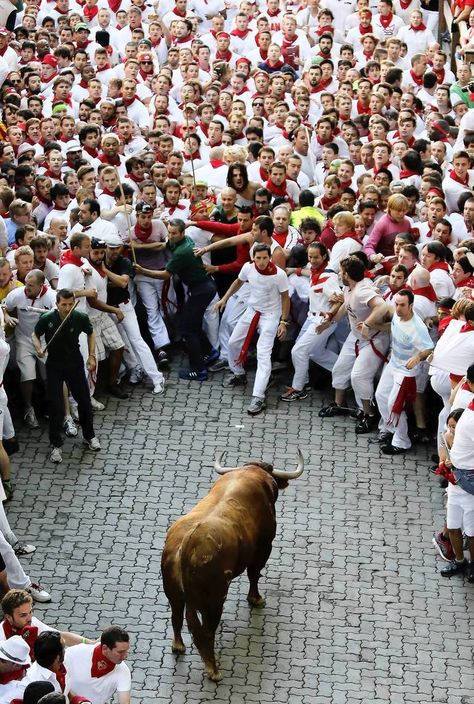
443, 546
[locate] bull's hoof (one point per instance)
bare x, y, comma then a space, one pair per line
214, 675
178, 647
257, 601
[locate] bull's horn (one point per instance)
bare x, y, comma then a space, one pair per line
291, 475
217, 464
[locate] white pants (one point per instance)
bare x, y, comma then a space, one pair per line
267, 330
233, 311
7, 430
385, 395
16, 577
431, 21
311, 345
210, 323
358, 364
130, 331
441, 383
150, 292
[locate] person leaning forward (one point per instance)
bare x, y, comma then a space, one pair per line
64, 363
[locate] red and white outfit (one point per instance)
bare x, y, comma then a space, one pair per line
93, 675
312, 345
263, 316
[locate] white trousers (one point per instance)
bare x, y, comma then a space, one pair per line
385, 395
210, 323
7, 431
441, 383
150, 292
267, 330
358, 364
130, 332
233, 311
311, 345
16, 576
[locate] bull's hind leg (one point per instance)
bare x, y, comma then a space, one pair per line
177, 616
253, 573
204, 637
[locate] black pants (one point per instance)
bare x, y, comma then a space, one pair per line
199, 297
75, 378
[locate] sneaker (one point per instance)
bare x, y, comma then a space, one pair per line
422, 436
219, 366
470, 574
333, 410
74, 410
443, 546
38, 593
8, 489
23, 549
366, 424
159, 388
96, 405
161, 359
56, 455
117, 391
93, 444
30, 418
210, 358
193, 375
384, 437
293, 395
234, 380
257, 405
454, 567
393, 450
69, 427
136, 376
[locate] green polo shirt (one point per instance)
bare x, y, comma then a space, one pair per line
65, 349
185, 264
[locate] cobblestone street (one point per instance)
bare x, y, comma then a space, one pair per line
356, 611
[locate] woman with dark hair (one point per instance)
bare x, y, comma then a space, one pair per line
237, 178
463, 276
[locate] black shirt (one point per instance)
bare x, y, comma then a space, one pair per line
115, 294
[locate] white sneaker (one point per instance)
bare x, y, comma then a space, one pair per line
96, 405
38, 593
23, 549
159, 388
93, 444
56, 455
74, 411
69, 427
31, 419
136, 375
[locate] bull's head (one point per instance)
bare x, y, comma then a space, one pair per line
283, 477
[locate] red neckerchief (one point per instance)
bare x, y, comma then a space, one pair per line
105, 67
288, 42
240, 33
83, 83
83, 45
57, 207
3, 51
467, 283
346, 184
325, 29
420, 28
275, 64
191, 157
90, 12
106, 192
368, 54
407, 173
224, 57
61, 676
113, 161
273, 13
471, 405
280, 191
172, 208
326, 203
270, 269
44, 289
115, 5
28, 633
440, 73
181, 40
281, 239
416, 79
349, 236
361, 110
405, 4
44, 200
7, 677
316, 273
92, 152
463, 181
468, 327
145, 75
427, 292
264, 175
100, 664
143, 233
50, 174
385, 21
204, 128
215, 163
129, 101
178, 13
67, 257
135, 179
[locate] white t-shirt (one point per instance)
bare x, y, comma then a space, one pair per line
78, 661
455, 350
27, 319
357, 303
264, 290
74, 278
462, 455
408, 338
327, 284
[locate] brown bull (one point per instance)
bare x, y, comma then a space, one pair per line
229, 531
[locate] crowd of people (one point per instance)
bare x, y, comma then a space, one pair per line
281, 184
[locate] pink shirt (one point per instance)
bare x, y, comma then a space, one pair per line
382, 238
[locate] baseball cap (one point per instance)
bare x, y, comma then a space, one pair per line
143, 208
97, 243
112, 241
4, 32
50, 60
73, 146
81, 25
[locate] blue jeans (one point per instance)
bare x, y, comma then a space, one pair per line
465, 479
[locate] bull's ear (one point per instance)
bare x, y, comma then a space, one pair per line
282, 483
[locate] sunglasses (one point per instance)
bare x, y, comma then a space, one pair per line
257, 105
145, 63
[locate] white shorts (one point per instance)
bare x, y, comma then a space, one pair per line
26, 360
460, 510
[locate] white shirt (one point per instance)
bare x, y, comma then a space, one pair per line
342, 249
454, 351
462, 455
42, 627
357, 302
327, 284
27, 319
264, 290
78, 661
74, 278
